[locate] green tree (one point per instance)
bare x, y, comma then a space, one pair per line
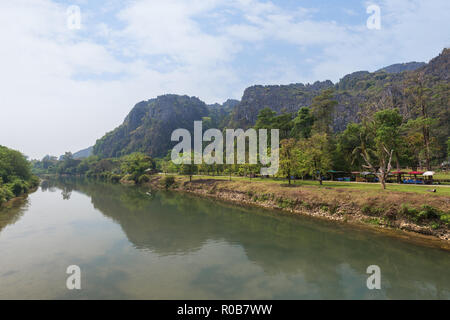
302, 124
385, 128
15, 174
322, 108
419, 97
347, 142
388, 128
265, 119
289, 163
448, 147
137, 164
314, 156
13, 164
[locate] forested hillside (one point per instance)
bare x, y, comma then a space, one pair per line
408, 87
149, 126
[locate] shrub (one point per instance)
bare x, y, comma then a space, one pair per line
143, 179
17, 187
407, 211
285, 203
434, 225
34, 182
374, 221
445, 218
371, 210
334, 208
5, 194
115, 178
168, 181
429, 212
365, 209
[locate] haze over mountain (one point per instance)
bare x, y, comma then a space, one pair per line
400, 67
149, 125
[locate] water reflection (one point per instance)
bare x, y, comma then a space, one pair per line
325, 254
12, 213
188, 247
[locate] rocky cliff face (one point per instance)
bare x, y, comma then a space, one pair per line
357, 94
149, 126
150, 123
401, 67
284, 98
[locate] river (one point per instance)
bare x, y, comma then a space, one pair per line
132, 245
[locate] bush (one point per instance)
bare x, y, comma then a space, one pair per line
370, 210
407, 211
143, 179
445, 218
34, 182
428, 212
5, 194
285, 203
17, 187
115, 178
168, 181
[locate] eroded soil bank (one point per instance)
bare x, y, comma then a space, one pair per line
417, 215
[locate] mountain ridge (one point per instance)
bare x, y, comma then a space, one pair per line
148, 126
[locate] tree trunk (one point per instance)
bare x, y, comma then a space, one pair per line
397, 161
426, 139
383, 182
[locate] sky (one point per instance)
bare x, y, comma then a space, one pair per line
64, 84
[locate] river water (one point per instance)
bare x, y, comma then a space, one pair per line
132, 245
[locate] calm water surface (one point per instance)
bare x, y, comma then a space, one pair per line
130, 245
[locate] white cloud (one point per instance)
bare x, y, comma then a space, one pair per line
62, 89
411, 31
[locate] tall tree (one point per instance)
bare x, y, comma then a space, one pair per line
322, 108
388, 127
136, 164
385, 129
302, 124
315, 157
384, 165
289, 162
419, 94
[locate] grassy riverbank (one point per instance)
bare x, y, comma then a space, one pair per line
408, 208
369, 187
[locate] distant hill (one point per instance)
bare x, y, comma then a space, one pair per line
357, 94
85, 153
150, 123
401, 67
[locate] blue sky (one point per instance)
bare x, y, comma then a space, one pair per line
65, 88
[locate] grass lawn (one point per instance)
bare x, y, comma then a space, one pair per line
369, 187
442, 175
